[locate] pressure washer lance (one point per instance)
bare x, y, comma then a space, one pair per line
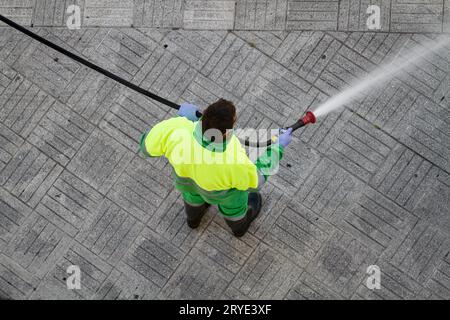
308, 118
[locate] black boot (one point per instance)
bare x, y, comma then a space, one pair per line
195, 214
241, 226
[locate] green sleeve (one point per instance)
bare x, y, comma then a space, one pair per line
267, 164
142, 148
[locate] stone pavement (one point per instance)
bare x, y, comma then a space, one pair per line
368, 185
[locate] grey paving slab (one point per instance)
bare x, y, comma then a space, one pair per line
399, 286
211, 15
100, 171
312, 15
108, 13
260, 15
353, 15
420, 15
339, 267
20, 11
158, 13
267, 275
446, 21
37, 245
367, 185
16, 282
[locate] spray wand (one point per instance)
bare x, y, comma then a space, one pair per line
308, 118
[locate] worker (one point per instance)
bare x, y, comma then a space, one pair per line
210, 166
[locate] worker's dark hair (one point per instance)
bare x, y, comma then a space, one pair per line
219, 115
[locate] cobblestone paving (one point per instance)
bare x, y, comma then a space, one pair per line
368, 185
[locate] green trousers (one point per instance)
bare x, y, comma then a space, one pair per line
232, 204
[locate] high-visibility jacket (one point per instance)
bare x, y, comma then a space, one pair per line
212, 166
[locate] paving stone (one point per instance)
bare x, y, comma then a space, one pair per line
70, 204
278, 94
120, 51
93, 272
202, 92
126, 286
223, 252
430, 201
345, 68
19, 11
37, 245
353, 14
100, 161
53, 13
295, 168
266, 41
386, 106
51, 70
12, 215
60, 133
425, 130
312, 15
430, 74
260, 15
29, 175
166, 74
309, 288
108, 13
420, 16
141, 189
234, 65
374, 220
266, 275
401, 175
439, 283
299, 233
158, 13
395, 285
153, 257
90, 95
194, 48
23, 105
211, 15
110, 233
326, 189
307, 53
16, 283
193, 280
446, 21
421, 251
378, 47
10, 144
361, 148
338, 269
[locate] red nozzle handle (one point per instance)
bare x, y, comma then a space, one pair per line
309, 118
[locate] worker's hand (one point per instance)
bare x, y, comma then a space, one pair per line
189, 111
285, 137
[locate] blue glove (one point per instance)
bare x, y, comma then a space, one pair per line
189, 111
285, 137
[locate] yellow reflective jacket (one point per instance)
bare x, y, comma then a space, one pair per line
212, 168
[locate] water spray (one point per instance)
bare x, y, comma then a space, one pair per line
381, 74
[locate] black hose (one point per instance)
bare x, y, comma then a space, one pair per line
111, 75
89, 64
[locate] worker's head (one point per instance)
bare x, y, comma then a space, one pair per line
221, 115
